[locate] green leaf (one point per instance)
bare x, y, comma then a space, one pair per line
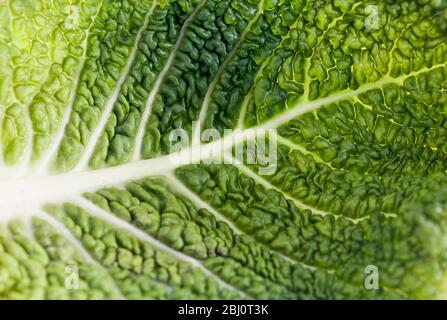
345, 198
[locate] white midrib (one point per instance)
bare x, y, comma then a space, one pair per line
96, 134
148, 107
42, 189
38, 190
2, 113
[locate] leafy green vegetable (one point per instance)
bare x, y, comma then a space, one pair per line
94, 203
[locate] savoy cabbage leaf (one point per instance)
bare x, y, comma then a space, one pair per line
95, 204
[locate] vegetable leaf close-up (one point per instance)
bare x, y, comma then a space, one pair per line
223, 149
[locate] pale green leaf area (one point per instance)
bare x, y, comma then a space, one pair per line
95, 205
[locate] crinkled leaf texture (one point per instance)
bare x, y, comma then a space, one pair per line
92, 206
